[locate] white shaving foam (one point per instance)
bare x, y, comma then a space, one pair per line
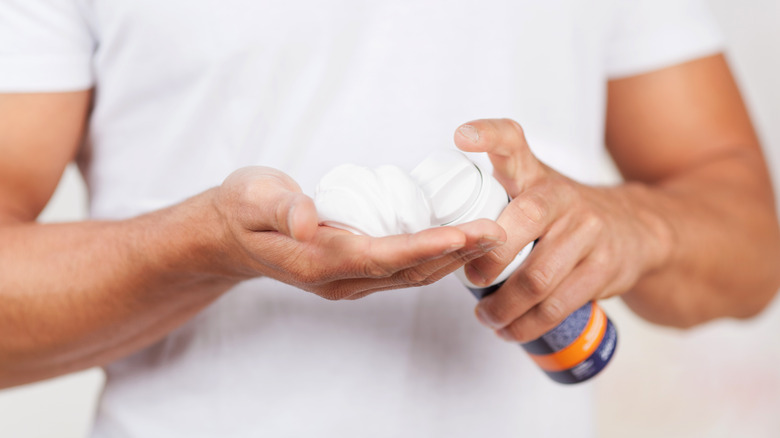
377, 202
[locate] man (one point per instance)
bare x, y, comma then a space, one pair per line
187, 285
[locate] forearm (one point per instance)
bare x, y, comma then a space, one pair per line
719, 223
82, 294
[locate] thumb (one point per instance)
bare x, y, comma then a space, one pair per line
514, 165
269, 200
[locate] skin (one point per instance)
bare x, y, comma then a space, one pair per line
82, 294
691, 236
76, 295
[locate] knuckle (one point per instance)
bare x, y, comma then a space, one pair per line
495, 311
533, 207
551, 312
537, 281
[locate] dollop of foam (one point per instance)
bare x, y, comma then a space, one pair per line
377, 202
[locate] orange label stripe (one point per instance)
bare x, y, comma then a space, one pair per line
579, 350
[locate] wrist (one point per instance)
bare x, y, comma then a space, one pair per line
653, 228
191, 241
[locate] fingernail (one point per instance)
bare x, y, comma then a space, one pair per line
453, 248
469, 132
474, 275
290, 215
489, 243
484, 319
503, 334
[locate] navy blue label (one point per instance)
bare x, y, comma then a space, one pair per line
563, 335
592, 365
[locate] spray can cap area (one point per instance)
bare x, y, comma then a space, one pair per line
451, 182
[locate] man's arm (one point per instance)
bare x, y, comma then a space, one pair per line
692, 235
76, 295
686, 134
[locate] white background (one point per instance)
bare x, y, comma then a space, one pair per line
721, 380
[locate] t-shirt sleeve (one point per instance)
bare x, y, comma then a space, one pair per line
45, 45
651, 34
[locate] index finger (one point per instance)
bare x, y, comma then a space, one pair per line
526, 218
514, 165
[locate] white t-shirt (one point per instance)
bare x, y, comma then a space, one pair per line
189, 90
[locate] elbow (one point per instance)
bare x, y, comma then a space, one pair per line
687, 314
759, 301
764, 291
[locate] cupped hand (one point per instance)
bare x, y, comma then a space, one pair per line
591, 243
272, 231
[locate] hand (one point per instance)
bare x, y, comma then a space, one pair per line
592, 244
273, 231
